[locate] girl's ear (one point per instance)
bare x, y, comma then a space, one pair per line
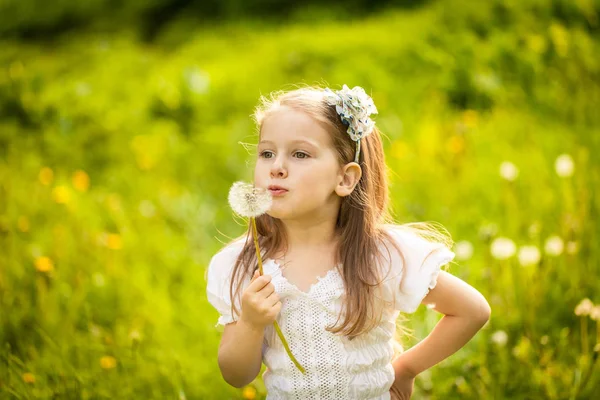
347, 179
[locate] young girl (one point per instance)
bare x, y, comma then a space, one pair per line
337, 273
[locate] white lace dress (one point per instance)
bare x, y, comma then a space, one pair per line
336, 368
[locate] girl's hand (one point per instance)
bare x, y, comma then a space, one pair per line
403, 386
260, 302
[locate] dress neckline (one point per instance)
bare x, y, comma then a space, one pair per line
320, 278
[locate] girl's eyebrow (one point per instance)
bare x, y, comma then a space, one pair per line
297, 141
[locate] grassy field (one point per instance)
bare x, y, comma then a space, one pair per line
116, 157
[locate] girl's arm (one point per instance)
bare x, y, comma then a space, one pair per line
240, 353
466, 311
240, 350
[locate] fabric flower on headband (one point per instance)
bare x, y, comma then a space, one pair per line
354, 108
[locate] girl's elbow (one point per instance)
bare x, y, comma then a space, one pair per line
236, 383
234, 378
484, 311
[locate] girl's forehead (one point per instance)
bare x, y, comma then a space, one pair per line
287, 125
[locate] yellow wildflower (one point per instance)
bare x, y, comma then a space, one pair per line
61, 194
44, 264
28, 377
108, 362
81, 181
113, 241
249, 393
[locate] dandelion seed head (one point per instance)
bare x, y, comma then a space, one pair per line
584, 307
499, 338
529, 255
503, 248
248, 201
464, 250
509, 171
564, 166
554, 246
595, 313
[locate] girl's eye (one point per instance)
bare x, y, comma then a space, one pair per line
268, 154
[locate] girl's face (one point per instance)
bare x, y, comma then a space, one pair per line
296, 153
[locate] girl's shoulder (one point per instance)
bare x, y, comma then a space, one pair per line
223, 261
412, 263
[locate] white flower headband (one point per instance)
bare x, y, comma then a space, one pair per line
354, 107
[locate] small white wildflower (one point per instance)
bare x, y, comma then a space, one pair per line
544, 340
564, 166
503, 248
554, 246
595, 313
509, 171
572, 247
529, 255
500, 338
463, 250
584, 307
248, 201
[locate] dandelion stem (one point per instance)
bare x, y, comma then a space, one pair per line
275, 324
584, 335
255, 235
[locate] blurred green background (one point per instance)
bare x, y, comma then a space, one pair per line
122, 129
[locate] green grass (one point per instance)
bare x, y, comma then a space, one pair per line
157, 130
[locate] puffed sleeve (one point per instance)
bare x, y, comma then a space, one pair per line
409, 280
218, 279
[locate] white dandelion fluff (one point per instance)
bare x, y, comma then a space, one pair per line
528, 255
463, 250
249, 201
564, 165
503, 248
584, 307
554, 246
499, 338
595, 313
509, 171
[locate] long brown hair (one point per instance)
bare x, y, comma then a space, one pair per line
360, 223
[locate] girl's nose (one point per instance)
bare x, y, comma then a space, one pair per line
277, 170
